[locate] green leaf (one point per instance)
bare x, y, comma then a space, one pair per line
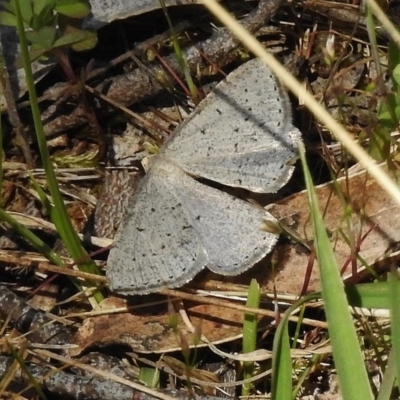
150, 377
43, 7
87, 39
34, 54
379, 145
393, 62
8, 19
8, 6
43, 14
396, 74
38, 21
26, 10
71, 38
393, 56
79, 40
73, 8
88, 43
43, 38
389, 110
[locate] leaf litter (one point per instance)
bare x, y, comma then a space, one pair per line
368, 233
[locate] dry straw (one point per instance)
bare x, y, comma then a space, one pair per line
295, 86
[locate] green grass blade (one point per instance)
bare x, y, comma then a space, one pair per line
23, 366
369, 295
394, 299
59, 215
179, 55
250, 333
353, 377
31, 238
281, 360
388, 380
1, 157
282, 365
150, 377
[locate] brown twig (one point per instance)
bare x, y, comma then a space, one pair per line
139, 84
